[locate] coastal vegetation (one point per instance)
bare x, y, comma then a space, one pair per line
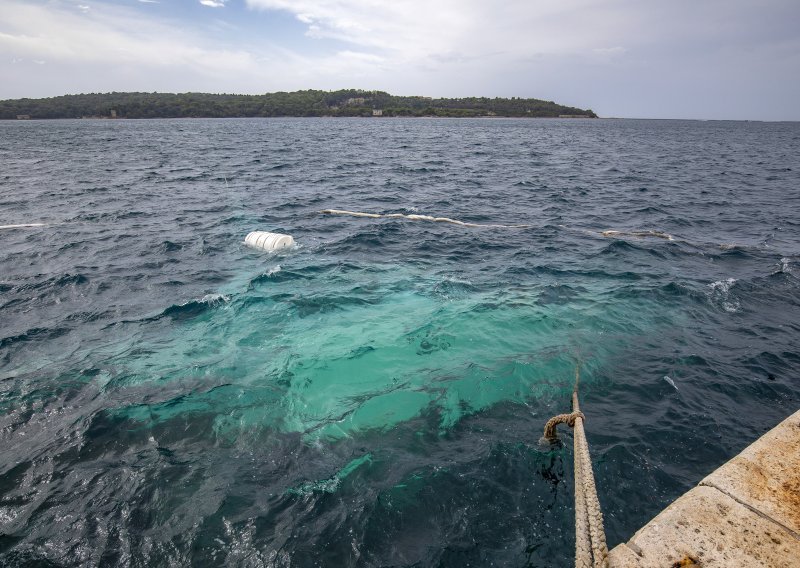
346, 102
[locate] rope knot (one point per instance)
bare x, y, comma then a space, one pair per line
574, 416
550, 433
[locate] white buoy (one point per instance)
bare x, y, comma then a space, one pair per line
268, 241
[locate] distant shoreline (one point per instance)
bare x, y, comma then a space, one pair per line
299, 104
107, 119
424, 117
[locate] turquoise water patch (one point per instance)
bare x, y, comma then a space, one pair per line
331, 351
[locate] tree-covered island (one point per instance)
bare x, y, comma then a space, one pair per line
347, 102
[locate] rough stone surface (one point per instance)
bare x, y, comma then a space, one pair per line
766, 475
707, 528
747, 513
623, 557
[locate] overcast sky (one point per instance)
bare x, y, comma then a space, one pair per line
630, 58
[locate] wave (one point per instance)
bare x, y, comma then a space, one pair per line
312, 305
720, 294
278, 274
638, 234
194, 308
169, 246
33, 334
623, 247
55, 282
559, 294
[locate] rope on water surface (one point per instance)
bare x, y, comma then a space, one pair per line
608, 233
414, 217
591, 550
419, 218
23, 226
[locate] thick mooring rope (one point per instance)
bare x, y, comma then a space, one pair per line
590, 539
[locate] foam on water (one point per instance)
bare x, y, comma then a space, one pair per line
721, 295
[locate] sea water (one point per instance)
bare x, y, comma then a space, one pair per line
375, 395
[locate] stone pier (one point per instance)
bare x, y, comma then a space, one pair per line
746, 513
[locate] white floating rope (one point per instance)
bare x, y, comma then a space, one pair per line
23, 226
420, 218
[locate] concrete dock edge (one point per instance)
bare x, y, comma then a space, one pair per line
746, 513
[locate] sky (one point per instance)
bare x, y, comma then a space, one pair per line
703, 59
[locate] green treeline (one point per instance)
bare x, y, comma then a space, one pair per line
347, 102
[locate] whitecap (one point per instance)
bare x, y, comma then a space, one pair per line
215, 299
721, 295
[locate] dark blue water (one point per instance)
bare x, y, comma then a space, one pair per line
169, 397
